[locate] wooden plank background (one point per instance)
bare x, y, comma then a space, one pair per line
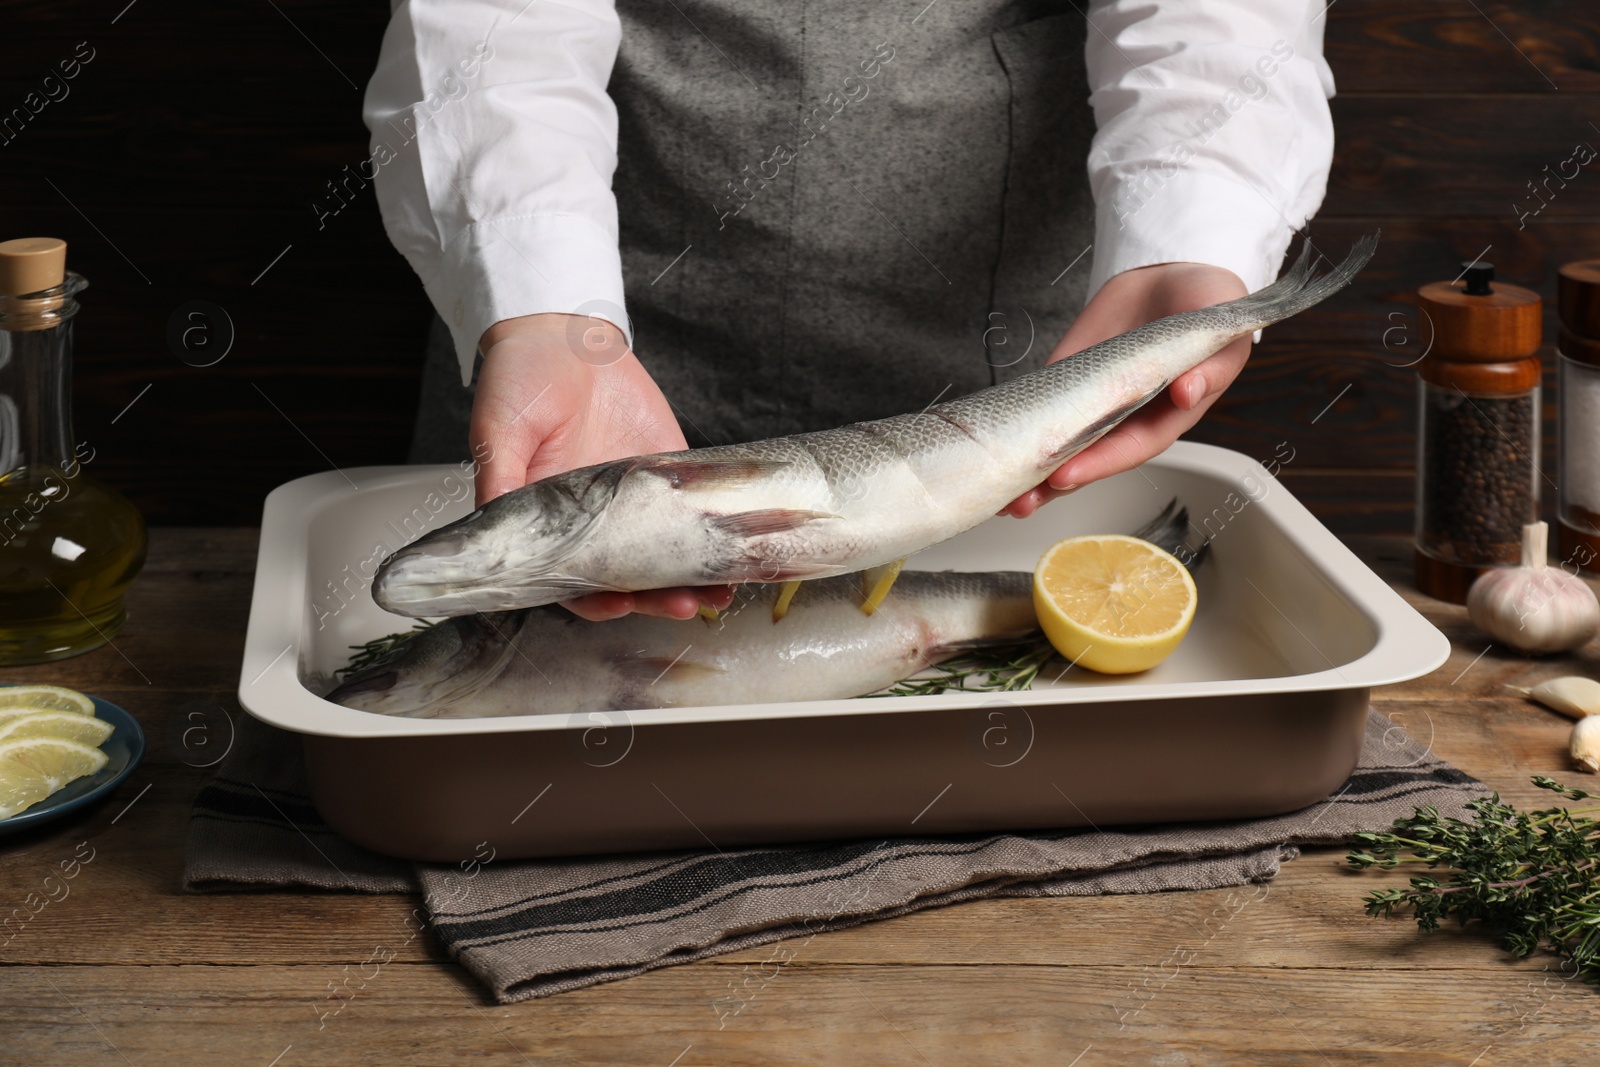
192, 147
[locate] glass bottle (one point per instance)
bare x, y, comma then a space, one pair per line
69, 545
1477, 429
1578, 517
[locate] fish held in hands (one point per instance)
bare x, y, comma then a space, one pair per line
818, 504
545, 660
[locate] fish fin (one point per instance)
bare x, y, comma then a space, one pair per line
648, 670
780, 607
1161, 530
876, 583
767, 571
948, 649
712, 473
1298, 289
1089, 435
767, 521
1169, 532
367, 681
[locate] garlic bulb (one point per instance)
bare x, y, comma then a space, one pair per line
1572, 696
1534, 607
1586, 744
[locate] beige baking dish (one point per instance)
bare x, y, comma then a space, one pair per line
1260, 711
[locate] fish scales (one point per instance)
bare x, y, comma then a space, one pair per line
824, 503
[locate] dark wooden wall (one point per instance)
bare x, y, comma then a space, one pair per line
1446, 109
191, 148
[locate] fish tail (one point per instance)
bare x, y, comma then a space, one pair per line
1169, 531
1298, 289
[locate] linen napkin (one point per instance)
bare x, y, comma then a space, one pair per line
530, 928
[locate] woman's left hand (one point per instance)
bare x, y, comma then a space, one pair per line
1131, 299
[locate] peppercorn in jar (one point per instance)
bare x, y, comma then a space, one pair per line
1478, 429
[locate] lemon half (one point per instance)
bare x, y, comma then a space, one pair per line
1113, 603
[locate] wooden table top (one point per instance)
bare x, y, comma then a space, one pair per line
128, 969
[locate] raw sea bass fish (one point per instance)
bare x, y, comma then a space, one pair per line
546, 660
817, 504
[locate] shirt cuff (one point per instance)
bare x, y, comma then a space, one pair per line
1193, 218
526, 265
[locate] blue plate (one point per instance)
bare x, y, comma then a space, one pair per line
125, 748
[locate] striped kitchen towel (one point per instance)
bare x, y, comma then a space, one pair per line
530, 928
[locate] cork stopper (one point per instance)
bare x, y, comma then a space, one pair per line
30, 264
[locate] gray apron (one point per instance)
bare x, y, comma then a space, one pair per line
836, 211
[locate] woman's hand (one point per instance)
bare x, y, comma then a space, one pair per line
558, 392
1131, 299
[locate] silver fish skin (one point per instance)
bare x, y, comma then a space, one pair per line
546, 660
818, 504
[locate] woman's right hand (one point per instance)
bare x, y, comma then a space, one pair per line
558, 392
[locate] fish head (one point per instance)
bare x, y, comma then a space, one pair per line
425, 676
505, 555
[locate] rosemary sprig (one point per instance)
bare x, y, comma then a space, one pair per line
1530, 876
379, 649
1001, 669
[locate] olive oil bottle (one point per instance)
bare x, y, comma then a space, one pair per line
69, 545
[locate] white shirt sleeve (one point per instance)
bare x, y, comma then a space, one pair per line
1214, 136
494, 144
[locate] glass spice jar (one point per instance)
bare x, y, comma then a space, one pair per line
1578, 516
1477, 430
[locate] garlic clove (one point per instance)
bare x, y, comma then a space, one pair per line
1585, 746
1534, 607
1573, 696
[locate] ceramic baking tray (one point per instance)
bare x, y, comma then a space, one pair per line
1260, 710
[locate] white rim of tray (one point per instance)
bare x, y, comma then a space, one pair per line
1406, 646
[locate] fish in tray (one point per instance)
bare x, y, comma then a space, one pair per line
545, 660
818, 504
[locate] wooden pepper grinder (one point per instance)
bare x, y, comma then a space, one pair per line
1478, 429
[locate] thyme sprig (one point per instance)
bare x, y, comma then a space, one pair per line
1533, 877
1001, 669
379, 649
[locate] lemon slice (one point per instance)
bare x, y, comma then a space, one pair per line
44, 698
65, 725
1113, 603
32, 768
